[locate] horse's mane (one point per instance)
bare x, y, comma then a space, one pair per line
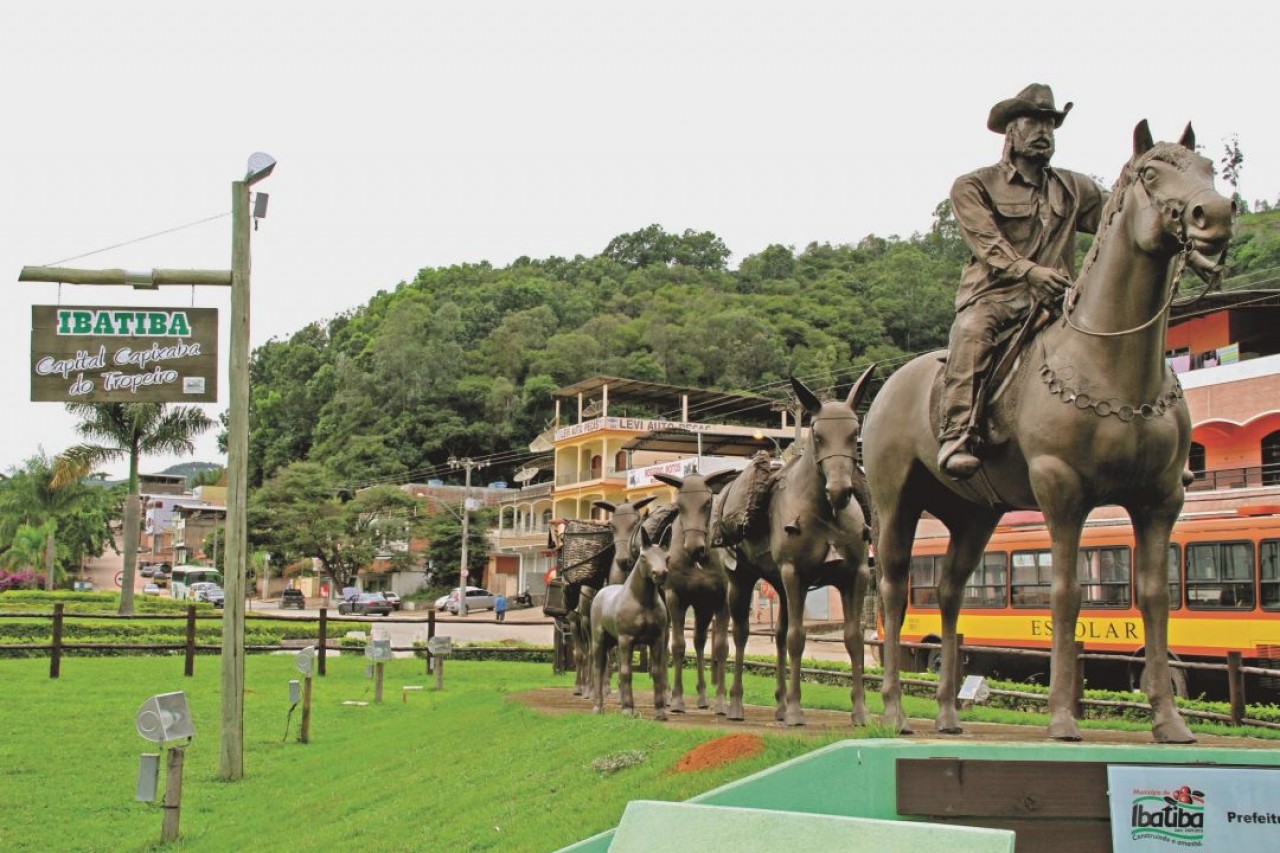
1172, 153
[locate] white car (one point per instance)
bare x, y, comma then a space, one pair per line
442, 603
151, 589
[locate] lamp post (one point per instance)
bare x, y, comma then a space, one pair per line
464, 574
231, 738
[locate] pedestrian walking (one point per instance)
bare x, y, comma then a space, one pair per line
500, 608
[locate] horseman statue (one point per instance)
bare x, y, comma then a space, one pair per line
1019, 218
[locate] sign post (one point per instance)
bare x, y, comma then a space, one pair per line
439, 648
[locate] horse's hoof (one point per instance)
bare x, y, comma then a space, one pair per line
859, 717
597, 710
1173, 731
703, 703
660, 717
796, 719
950, 730
628, 712
676, 706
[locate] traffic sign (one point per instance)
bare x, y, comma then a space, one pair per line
120, 579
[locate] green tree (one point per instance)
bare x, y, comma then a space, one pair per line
443, 531
302, 512
31, 498
128, 431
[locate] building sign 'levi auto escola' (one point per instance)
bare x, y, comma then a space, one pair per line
124, 355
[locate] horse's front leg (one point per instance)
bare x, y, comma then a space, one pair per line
720, 651
893, 558
740, 589
599, 670
794, 714
1059, 493
658, 673
1151, 529
625, 643
676, 613
700, 624
852, 593
780, 662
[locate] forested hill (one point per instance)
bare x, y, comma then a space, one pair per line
462, 361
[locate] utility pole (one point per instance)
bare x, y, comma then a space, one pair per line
464, 574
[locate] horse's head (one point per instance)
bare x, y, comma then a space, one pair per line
833, 437
694, 495
623, 520
1177, 207
652, 562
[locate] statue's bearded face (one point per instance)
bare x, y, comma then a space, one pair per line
1032, 137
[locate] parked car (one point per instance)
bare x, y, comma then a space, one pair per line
160, 577
365, 604
151, 589
477, 599
197, 590
293, 598
442, 603
392, 597
215, 596
147, 570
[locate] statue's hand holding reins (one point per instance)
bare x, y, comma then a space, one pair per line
1046, 284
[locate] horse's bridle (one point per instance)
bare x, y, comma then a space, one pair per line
1188, 256
818, 460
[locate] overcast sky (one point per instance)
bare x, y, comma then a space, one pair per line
414, 134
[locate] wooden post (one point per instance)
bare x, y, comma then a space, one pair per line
55, 649
431, 632
324, 636
172, 794
377, 683
1235, 686
440, 672
304, 734
1077, 686
231, 734
190, 668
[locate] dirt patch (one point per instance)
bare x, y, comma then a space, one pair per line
760, 721
721, 750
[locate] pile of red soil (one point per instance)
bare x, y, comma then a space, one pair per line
722, 750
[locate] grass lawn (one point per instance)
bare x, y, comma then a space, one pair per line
462, 769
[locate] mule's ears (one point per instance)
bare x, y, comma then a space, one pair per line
720, 479
808, 400
1142, 141
670, 479
645, 541
859, 389
605, 505
1188, 139
644, 502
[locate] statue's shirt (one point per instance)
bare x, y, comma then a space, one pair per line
1012, 225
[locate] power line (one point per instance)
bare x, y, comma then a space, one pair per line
140, 239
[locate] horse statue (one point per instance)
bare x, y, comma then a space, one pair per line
695, 582
629, 613
813, 537
624, 519
1091, 415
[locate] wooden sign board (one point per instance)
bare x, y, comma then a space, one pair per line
96, 354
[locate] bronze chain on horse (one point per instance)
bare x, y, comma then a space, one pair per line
1091, 416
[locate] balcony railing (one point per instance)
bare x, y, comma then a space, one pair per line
1236, 478
574, 477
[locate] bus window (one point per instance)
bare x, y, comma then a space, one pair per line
1269, 554
1032, 576
1220, 575
1175, 578
1104, 577
986, 586
924, 581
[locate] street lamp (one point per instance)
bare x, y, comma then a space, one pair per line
759, 435
468, 464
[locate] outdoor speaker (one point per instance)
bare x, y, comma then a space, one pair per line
295, 692
164, 718
148, 776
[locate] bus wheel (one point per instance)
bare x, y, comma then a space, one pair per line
929, 660
1177, 679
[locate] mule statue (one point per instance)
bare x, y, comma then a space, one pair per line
1090, 415
695, 583
625, 614
624, 519
812, 536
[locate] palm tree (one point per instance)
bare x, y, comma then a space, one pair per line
129, 430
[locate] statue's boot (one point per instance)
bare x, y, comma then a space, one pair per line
956, 459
